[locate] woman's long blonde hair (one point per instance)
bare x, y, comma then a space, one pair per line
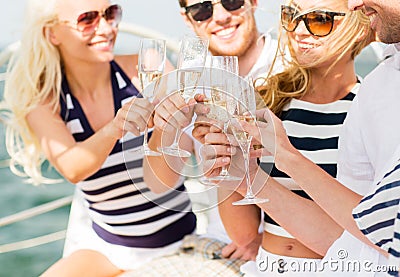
278, 90
33, 77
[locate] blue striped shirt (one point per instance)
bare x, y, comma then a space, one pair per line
122, 208
378, 215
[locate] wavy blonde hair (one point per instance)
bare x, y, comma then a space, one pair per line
278, 90
33, 76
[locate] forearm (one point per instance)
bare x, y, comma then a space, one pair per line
83, 159
301, 217
334, 198
164, 172
241, 222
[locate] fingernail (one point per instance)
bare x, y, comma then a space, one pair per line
225, 160
185, 109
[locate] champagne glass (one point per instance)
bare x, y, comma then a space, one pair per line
245, 110
190, 64
151, 65
222, 68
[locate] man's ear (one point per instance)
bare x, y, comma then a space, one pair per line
186, 18
49, 34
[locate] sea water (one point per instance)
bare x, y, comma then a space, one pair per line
16, 196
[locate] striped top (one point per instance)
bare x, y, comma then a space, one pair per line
122, 208
378, 215
314, 130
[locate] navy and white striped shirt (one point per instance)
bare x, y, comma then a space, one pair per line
122, 208
314, 130
378, 215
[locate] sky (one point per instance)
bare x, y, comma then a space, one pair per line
160, 15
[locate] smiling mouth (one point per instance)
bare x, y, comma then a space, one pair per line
102, 44
306, 45
226, 32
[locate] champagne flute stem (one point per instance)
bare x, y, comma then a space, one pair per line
249, 193
224, 169
176, 138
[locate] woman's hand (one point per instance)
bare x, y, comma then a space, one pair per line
173, 113
269, 132
222, 150
132, 117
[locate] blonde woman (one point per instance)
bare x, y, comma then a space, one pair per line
311, 97
73, 102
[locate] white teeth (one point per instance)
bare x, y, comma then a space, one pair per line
102, 44
306, 46
226, 31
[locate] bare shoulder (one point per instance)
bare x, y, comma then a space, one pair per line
128, 63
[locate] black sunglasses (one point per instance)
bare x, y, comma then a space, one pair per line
318, 23
88, 22
204, 10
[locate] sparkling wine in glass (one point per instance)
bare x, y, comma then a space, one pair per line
223, 69
190, 65
245, 109
151, 65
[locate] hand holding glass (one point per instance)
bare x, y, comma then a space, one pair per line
191, 59
150, 68
223, 70
245, 110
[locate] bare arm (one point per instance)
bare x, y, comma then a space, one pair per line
79, 160
164, 172
334, 198
241, 222
301, 217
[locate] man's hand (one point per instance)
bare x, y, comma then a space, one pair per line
246, 253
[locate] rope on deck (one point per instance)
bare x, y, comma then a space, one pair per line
24, 244
36, 211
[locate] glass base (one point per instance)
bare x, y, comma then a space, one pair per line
225, 178
250, 201
173, 151
206, 181
146, 151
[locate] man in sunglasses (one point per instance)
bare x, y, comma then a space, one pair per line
231, 29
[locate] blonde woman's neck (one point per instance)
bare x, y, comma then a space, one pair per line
88, 79
332, 86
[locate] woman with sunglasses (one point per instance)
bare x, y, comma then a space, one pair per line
74, 103
311, 97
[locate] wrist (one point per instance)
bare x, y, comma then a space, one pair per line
287, 159
110, 131
160, 138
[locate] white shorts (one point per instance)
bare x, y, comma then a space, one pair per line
80, 235
268, 264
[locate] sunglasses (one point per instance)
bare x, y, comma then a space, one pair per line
88, 22
204, 10
318, 23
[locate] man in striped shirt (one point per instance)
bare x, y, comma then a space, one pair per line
370, 144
